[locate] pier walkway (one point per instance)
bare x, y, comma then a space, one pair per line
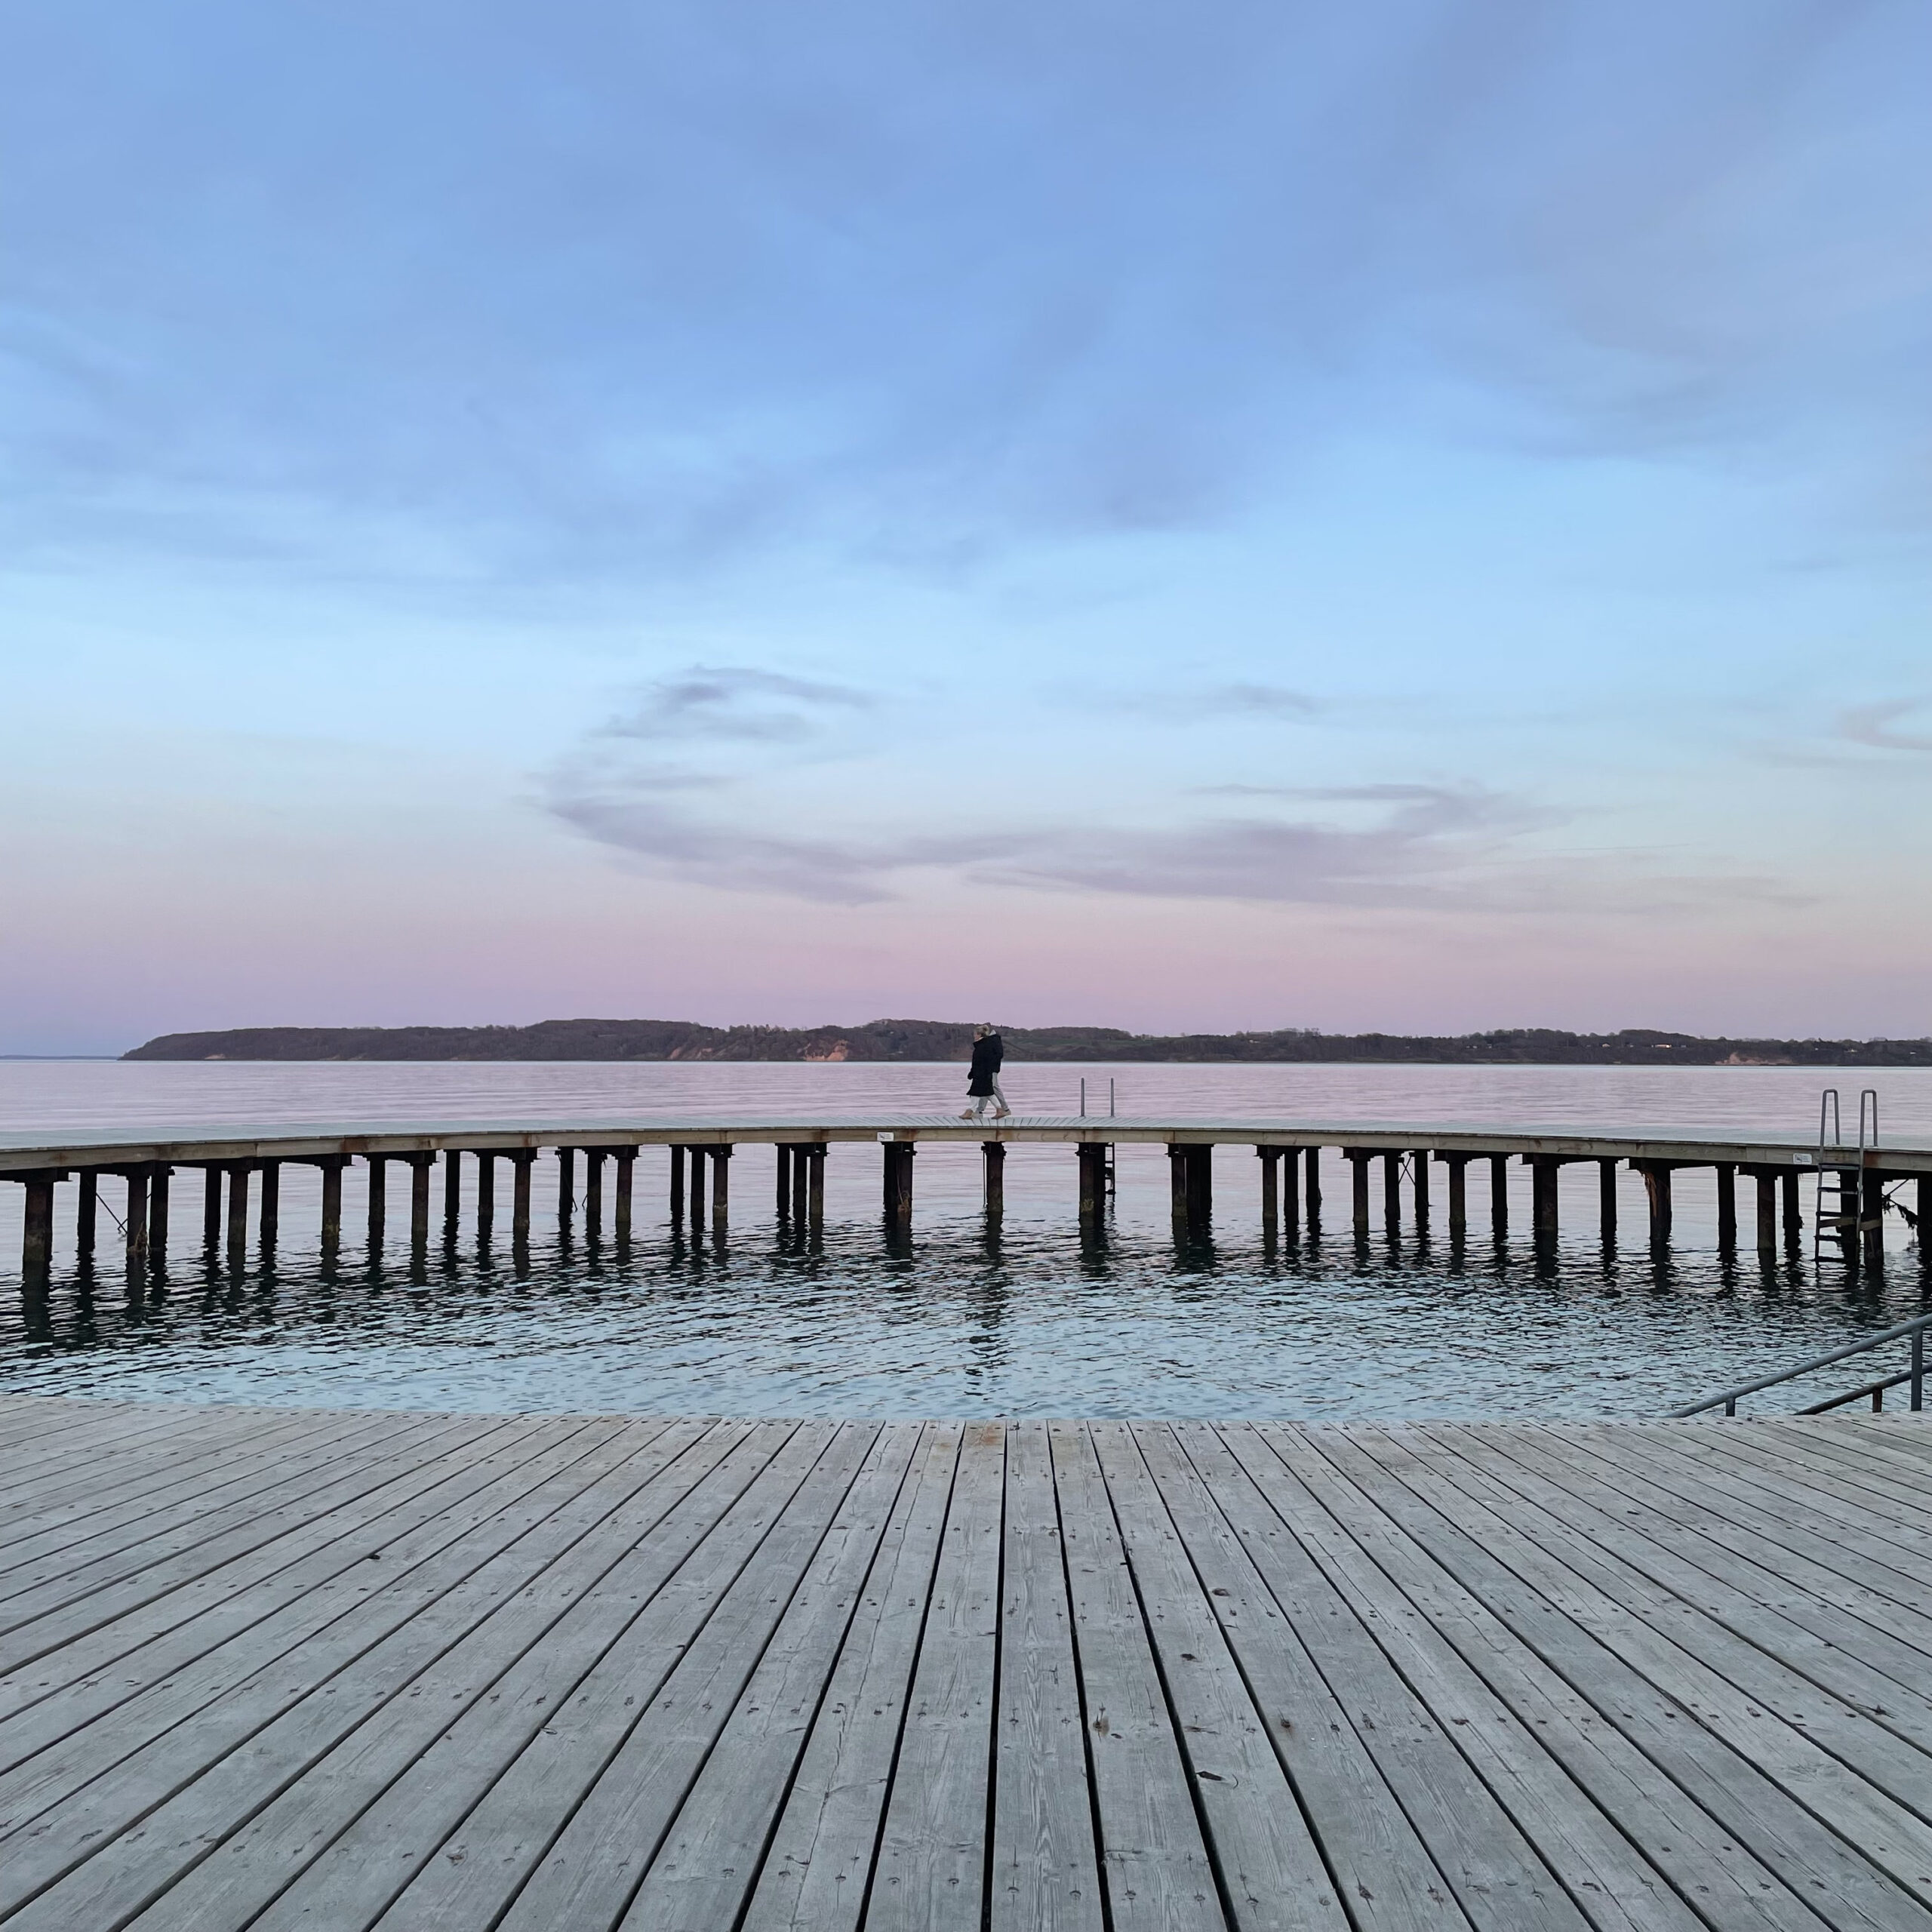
1861, 1182
283, 1669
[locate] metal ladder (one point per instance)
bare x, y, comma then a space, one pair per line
1837, 1203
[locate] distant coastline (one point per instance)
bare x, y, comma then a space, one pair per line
885, 1040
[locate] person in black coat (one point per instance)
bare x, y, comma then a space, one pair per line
982, 1077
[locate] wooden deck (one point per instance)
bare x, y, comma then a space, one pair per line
299, 1669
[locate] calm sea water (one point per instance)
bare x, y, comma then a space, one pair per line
960, 1320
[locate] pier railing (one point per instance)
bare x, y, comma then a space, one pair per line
1911, 1376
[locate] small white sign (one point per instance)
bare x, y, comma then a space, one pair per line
1800, 1160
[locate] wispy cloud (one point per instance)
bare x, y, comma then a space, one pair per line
1430, 846
1214, 704
1871, 724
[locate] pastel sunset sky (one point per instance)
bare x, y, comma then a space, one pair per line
1415, 514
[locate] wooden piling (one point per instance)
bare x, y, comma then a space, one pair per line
85, 1213
521, 1161
1421, 1158
1458, 1166
566, 1187
1392, 1194
211, 1207
1290, 1172
677, 1194
1499, 1194
135, 1225
1794, 1218
815, 1185
1607, 1200
1177, 1183
420, 1165
1092, 1156
159, 1192
486, 1193
1201, 1191
268, 1221
897, 1165
1871, 1217
1358, 1158
1767, 1179
1924, 1211
593, 1193
332, 1166
695, 1198
1657, 1186
721, 1186
626, 1171
238, 1172
783, 1163
994, 1154
452, 1192
1543, 1196
37, 1242
378, 1200
1314, 1190
1727, 1207
801, 1183
1271, 1189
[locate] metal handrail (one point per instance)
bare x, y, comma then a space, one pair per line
1915, 1375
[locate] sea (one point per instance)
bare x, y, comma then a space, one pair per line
1025, 1318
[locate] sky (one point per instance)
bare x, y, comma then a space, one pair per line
1414, 516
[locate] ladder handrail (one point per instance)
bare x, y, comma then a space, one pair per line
1728, 1399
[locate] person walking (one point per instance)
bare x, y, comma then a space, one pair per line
982, 1077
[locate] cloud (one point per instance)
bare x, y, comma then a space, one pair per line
1870, 724
1215, 704
1421, 846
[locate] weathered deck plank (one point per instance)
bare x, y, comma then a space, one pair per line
663, 1675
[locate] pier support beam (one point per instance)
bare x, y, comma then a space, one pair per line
378, 1200
1499, 1194
1607, 1200
420, 1167
624, 1175
1657, 1185
815, 1185
1727, 1207
136, 1227
1458, 1167
720, 1187
158, 1178
1201, 1192
452, 1192
267, 1224
1871, 1217
1291, 1190
1270, 1158
695, 1200
677, 1194
593, 1193
332, 1165
210, 1208
521, 1162
1421, 1159
1767, 1179
801, 1183
85, 1213
1543, 1219
898, 1179
1092, 1156
37, 1241
783, 1153
1794, 1216
486, 1194
993, 1152
238, 1172
1392, 1195
1314, 1190
1358, 1158
566, 1187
